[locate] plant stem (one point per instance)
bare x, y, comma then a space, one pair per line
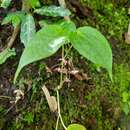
62, 67
62, 4
57, 122
69, 49
59, 113
58, 97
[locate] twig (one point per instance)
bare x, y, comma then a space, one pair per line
13, 37
6, 97
9, 109
16, 30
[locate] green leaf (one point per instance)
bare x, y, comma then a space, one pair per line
90, 43
76, 127
53, 11
68, 27
126, 108
5, 3
125, 96
4, 55
34, 3
14, 17
27, 29
44, 44
29, 4
29, 117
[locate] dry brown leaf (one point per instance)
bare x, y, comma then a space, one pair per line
69, 69
19, 95
50, 99
76, 73
64, 70
48, 70
79, 75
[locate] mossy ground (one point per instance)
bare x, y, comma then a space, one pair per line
96, 102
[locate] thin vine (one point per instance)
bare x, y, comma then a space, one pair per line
62, 4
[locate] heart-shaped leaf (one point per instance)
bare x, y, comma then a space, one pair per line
90, 43
76, 127
45, 43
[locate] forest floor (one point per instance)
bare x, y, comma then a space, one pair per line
89, 97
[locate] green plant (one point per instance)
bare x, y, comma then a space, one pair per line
76, 127
122, 81
28, 117
88, 41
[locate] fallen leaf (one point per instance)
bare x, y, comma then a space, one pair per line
50, 99
19, 95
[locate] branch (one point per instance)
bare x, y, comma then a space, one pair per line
13, 37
